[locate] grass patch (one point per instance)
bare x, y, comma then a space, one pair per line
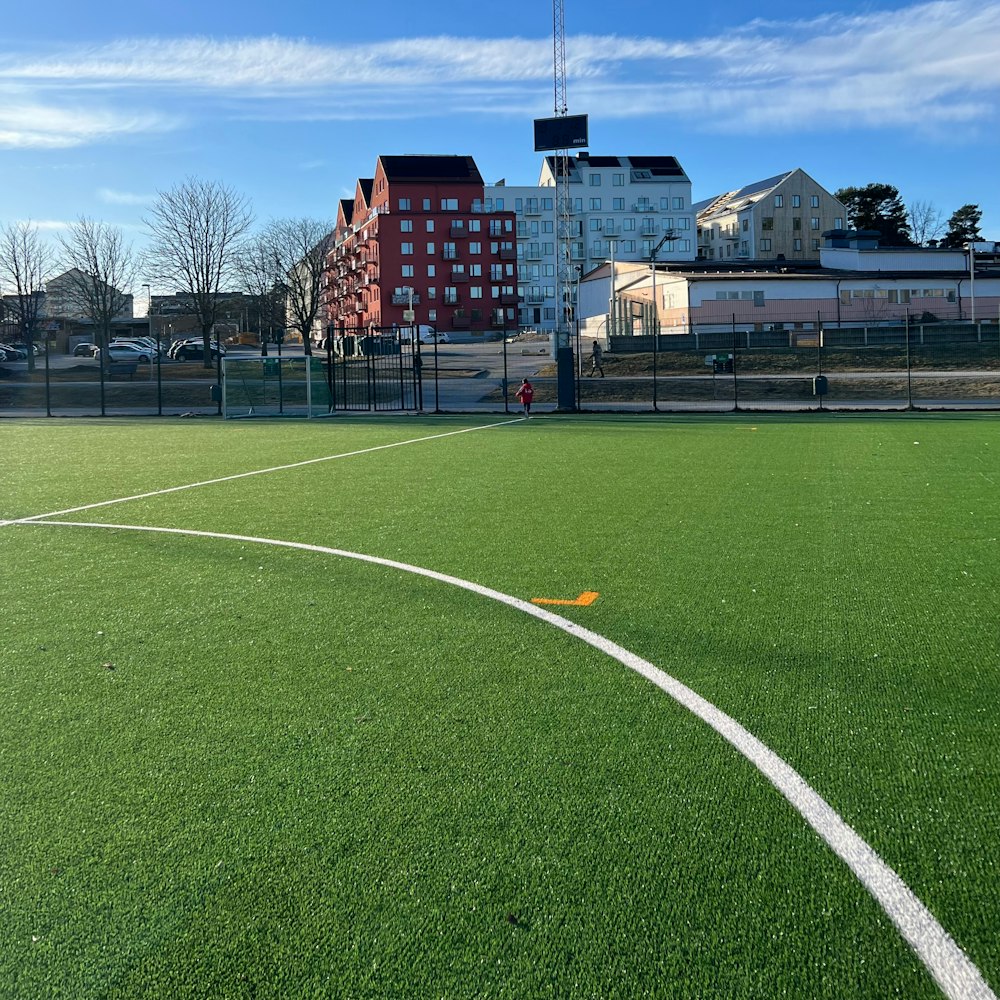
235, 771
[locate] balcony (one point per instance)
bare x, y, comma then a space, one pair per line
449, 255
458, 231
508, 254
459, 278
459, 321
510, 299
642, 206
531, 208
451, 300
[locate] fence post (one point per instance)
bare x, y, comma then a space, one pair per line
736, 388
909, 384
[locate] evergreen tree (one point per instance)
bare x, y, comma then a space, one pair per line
963, 227
878, 207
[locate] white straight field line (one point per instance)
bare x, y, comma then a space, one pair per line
955, 974
258, 472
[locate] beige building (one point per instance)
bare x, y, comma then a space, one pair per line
781, 218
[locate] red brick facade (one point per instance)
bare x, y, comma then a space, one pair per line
420, 224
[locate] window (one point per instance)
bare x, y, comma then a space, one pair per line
432, 292
815, 244
430, 225
814, 201
628, 225
796, 201
617, 180
628, 246
595, 204
677, 203
838, 223
684, 222
406, 225
427, 204
765, 245
449, 251
546, 204
746, 225
814, 223
475, 292
430, 248
595, 225
779, 201
595, 180
796, 222
404, 204
664, 204
767, 223
519, 205
475, 248
432, 270
684, 246
450, 295
796, 244
407, 270
432, 315
449, 204
758, 298
476, 270
406, 248
475, 225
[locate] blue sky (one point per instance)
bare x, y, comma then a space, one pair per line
101, 105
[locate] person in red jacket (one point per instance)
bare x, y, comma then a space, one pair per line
526, 393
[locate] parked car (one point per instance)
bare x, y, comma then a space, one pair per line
12, 353
125, 352
138, 344
146, 343
194, 350
428, 336
85, 351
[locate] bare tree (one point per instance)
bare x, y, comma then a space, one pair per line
25, 265
926, 222
101, 268
300, 247
196, 232
261, 276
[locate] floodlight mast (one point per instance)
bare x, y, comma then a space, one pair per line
566, 312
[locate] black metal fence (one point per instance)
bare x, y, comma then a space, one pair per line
930, 366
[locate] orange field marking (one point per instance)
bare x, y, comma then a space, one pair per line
587, 597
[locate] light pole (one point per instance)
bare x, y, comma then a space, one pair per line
668, 235
613, 324
159, 369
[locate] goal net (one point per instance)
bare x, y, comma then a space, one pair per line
272, 387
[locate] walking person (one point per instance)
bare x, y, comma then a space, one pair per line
597, 359
525, 393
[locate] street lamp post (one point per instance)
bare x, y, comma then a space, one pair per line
668, 235
159, 368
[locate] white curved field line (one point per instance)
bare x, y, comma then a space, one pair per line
957, 976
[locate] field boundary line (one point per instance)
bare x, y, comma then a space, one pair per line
259, 472
951, 968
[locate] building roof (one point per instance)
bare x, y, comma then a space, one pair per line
430, 168
641, 168
733, 201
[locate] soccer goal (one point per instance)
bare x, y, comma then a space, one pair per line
272, 387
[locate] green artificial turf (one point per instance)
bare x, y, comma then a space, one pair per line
230, 770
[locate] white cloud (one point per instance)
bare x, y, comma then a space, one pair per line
111, 197
27, 120
915, 67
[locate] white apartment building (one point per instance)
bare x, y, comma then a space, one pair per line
782, 217
622, 208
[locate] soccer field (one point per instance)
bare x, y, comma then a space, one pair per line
692, 707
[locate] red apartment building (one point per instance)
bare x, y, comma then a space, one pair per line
420, 228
